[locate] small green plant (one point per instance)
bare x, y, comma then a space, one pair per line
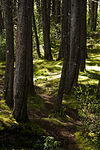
51, 143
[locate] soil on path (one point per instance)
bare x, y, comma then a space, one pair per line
63, 130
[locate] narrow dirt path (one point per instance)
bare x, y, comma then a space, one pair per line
63, 131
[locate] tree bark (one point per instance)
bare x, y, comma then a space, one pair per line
95, 15
46, 28
74, 60
9, 72
61, 51
93, 7
98, 92
14, 10
83, 33
66, 54
1, 18
20, 89
36, 35
29, 52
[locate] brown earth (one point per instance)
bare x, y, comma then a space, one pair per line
65, 132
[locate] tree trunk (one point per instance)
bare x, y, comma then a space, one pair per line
61, 51
95, 15
14, 9
29, 53
36, 35
9, 72
93, 6
20, 91
0, 18
46, 28
74, 60
98, 93
91, 15
66, 53
83, 33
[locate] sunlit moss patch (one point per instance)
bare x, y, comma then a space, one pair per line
6, 117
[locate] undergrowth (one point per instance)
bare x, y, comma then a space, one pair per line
89, 112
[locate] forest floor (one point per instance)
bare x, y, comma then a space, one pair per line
60, 126
66, 125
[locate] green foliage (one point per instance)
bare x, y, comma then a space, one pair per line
55, 36
98, 19
87, 142
50, 143
89, 112
88, 108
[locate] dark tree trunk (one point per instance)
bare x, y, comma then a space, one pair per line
93, 7
98, 93
20, 91
74, 60
3, 15
61, 51
14, 8
9, 72
91, 15
29, 53
66, 54
46, 28
1, 18
36, 35
95, 15
83, 33
58, 15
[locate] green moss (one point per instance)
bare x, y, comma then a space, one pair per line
70, 100
54, 121
6, 117
35, 102
32, 128
3, 105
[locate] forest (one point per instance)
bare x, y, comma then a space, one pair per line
49, 75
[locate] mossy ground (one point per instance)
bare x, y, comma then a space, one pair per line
15, 135
43, 119
46, 78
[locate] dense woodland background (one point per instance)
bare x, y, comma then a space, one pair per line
50, 74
